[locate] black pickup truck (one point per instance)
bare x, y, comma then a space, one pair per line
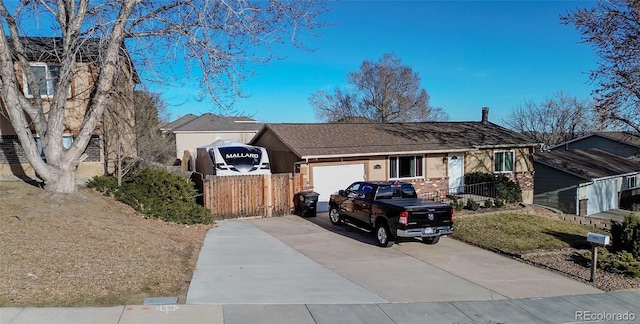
392, 209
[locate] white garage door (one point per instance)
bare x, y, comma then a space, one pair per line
329, 179
602, 195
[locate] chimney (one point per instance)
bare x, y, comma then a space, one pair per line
485, 115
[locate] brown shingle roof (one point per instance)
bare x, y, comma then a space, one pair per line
353, 139
588, 164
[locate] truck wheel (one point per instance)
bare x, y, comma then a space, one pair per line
334, 216
383, 235
431, 240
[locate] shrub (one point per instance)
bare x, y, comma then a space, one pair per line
500, 202
488, 203
499, 185
472, 204
105, 184
160, 194
626, 235
457, 204
621, 262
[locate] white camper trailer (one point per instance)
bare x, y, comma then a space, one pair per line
225, 158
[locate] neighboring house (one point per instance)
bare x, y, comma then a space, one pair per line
116, 132
583, 181
620, 143
434, 156
192, 131
167, 128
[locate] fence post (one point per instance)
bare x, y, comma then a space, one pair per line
268, 195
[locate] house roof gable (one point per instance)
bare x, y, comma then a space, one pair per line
214, 123
588, 164
622, 137
361, 139
178, 122
49, 50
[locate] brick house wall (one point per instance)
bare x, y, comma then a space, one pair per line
12, 153
524, 180
433, 187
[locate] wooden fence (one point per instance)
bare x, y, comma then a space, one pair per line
253, 195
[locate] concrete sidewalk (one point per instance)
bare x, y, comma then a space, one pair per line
593, 308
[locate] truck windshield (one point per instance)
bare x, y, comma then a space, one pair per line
394, 191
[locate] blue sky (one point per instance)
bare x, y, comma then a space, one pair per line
468, 54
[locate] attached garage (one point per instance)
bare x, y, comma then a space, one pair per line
328, 179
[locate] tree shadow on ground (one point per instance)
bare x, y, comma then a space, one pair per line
322, 220
575, 241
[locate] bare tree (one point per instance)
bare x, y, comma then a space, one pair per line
144, 130
151, 113
218, 39
553, 120
383, 91
612, 27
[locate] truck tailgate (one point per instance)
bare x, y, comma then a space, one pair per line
423, 213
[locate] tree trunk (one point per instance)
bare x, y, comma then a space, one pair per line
62, 180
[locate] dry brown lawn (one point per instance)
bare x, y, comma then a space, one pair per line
87, 249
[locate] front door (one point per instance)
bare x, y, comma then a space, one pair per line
456, 172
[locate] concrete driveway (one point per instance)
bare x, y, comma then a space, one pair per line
294, 260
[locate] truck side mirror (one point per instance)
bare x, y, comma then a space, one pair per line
341, 192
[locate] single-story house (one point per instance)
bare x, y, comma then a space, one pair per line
192, 131
583, 181
624, 144
434, 156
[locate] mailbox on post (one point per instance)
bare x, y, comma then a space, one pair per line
596, 240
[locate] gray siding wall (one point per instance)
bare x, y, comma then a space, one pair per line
549, 179
555, 189
604, 144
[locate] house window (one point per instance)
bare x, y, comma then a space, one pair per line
46, 77
503, 162
405, 167
632, 182
67, 140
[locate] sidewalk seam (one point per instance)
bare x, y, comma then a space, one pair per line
385, 313
122, 313
532, 314
310, 313
461, 312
